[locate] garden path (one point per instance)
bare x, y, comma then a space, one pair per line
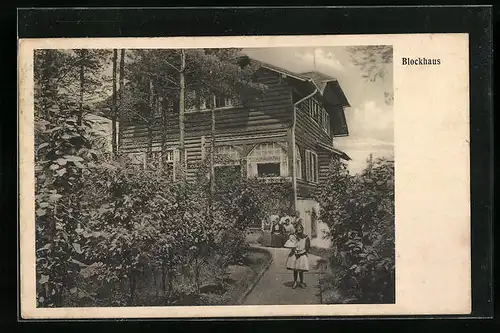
275, 285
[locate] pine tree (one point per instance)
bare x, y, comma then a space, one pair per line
114, 106
120, 92
89, 63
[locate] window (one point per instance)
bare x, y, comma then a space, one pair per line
203, 104
158, 108
326, 123
138, 159
155, 161
267, 160
315, 110
311, 166
191, 101
298, 163
318, 113
195, 102
163, 161
268, 169
227, 163
167, 162
222, 101
226, 155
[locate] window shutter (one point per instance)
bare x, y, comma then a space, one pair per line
176, 161
143, 155
308, 156
312, 173
298, 163
315, 167
203, 148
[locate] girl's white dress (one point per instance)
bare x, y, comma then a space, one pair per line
298, 260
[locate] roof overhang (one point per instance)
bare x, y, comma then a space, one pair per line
338, 92
334, 151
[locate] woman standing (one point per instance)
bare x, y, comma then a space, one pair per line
289, 228
297, 260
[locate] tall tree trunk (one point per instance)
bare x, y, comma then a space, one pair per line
164, 120
120, 96
197, 276
114, 106
182, 84
212, 153
82, 85
163, 130
150, 117
170, 277
163, 279
132, 287
212, 164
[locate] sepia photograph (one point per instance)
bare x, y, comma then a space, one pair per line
244, 176
214, 176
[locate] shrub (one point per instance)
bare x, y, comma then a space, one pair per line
62, 155
359, 211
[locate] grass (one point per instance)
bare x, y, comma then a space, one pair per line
256, 260
234, 284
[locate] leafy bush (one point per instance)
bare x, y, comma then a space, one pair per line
62, 154
359, 211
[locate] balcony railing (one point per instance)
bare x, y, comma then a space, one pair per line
274, 180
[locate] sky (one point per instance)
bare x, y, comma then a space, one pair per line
370, 119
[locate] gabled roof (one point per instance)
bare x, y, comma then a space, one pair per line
319, 79
282, 70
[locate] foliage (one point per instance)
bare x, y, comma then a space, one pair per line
66, 78
63, 153
129, 219
155, 73
373, 60
359, 211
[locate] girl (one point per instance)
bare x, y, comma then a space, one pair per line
297, 260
